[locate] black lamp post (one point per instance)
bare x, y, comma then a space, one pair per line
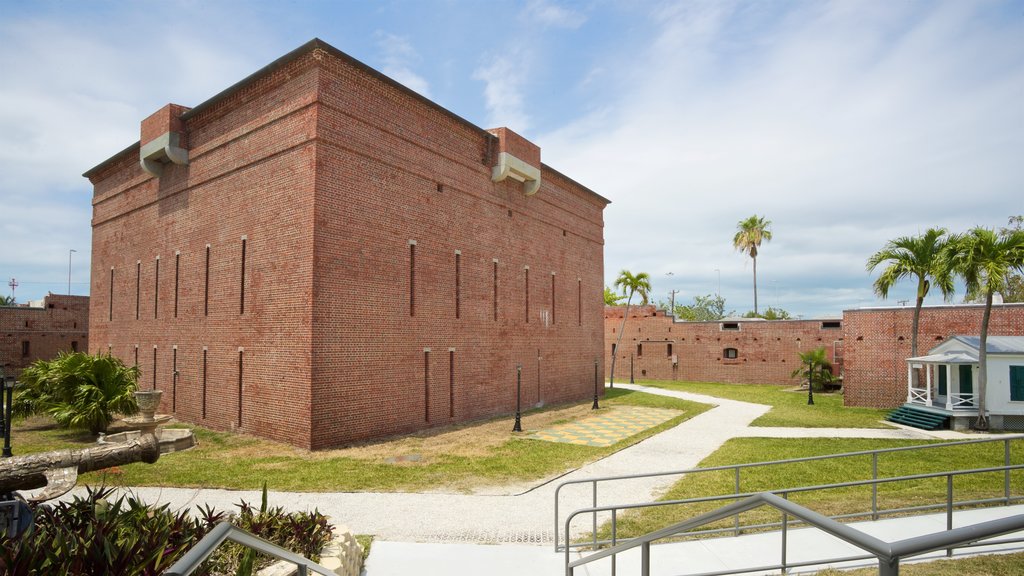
595, 406
810, 383
631, 381
518, 427
9, 389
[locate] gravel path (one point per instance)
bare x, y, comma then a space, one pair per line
523, 513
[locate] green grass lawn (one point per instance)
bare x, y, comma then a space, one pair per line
833, 501
789, 408
455, 458
989, 565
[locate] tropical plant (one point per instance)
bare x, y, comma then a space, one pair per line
7, 300
922, 257
749, 235
630, 284
706, 308
1013, 290
610, 297
78, 390
985, 259
771, 313
814, 366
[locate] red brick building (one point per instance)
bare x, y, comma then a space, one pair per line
731, 350
868, 346
319, 255
29, 333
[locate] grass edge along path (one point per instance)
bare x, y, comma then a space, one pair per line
240, 462
789, 407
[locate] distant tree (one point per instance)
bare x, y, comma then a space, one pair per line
749, 235
7, 300
985, 259
630, 284
814, 364
770, 314
922, 257
611, 298
78, 390
704, 309
1013, 289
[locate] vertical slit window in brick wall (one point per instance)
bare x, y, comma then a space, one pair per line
412, 277
204, 383
74, 345
177, 269
136, 354
206, 284
613, 348
156, 288
174, 380
241, 353
458, 284
138, 286
669, 347
426, 385
110, 300
579, 302
26, 348
241, 290
526, 291
154, 367
451, 383
639, 349
552, 297
495, 262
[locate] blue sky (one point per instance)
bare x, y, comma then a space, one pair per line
845, 123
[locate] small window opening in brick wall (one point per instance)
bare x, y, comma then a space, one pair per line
495, 286
613, 348
730, 325
831, 324
26, 323
730, 353
177, 270
26, 348
174, 379
138, 286
526, 291
579, 302
156, 288
426, 384
669, 350
110, 297
154, 367
552, 298
639, 349
136, 355
451, 382
458, 284
412, 277
74, 345
206, 284
204, 383
241, 289
440, 187
241, 356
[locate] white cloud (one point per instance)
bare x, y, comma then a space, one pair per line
550, 14
398, 60
503, 79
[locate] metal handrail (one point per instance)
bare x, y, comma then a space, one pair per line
888, 554
226, 531
737, 468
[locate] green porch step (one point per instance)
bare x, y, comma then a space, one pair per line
918, 418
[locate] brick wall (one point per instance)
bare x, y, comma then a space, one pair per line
30, 334
878, 344
328, 170
766, 351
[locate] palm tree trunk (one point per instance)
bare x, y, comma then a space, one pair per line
914, 326
982, 423
618, 341
755, 284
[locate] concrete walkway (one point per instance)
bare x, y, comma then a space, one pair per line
522, 514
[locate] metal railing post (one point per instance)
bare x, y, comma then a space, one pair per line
874, 486
736, 522
888, 567
594, 516
1006, 473
949, 508
645, 559
785, 534
615, 538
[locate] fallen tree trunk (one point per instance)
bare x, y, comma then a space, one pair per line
36, 470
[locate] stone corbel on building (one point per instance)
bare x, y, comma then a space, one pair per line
519, 159
163, 140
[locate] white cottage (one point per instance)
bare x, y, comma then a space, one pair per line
950, 381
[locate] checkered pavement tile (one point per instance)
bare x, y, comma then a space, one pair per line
608, 428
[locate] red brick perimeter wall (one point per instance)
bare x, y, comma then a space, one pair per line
328, 172
878, 344
766, 351
60, 325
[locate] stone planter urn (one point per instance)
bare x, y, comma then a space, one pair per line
149, 401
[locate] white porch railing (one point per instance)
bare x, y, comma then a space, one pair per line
919, 396
960, 401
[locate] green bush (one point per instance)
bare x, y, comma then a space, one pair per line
92, 535
78, 390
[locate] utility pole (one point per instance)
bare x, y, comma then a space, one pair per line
673, 310
13, 284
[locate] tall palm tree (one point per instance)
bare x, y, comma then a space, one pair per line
985, 260
630, 284
749, 235
921, 257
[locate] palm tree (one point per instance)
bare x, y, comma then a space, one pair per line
7, 301
921, 257
985, 260
815, 368
630, 284
749, 235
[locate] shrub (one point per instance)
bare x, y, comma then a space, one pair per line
78, 390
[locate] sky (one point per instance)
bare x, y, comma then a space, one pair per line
846, 124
